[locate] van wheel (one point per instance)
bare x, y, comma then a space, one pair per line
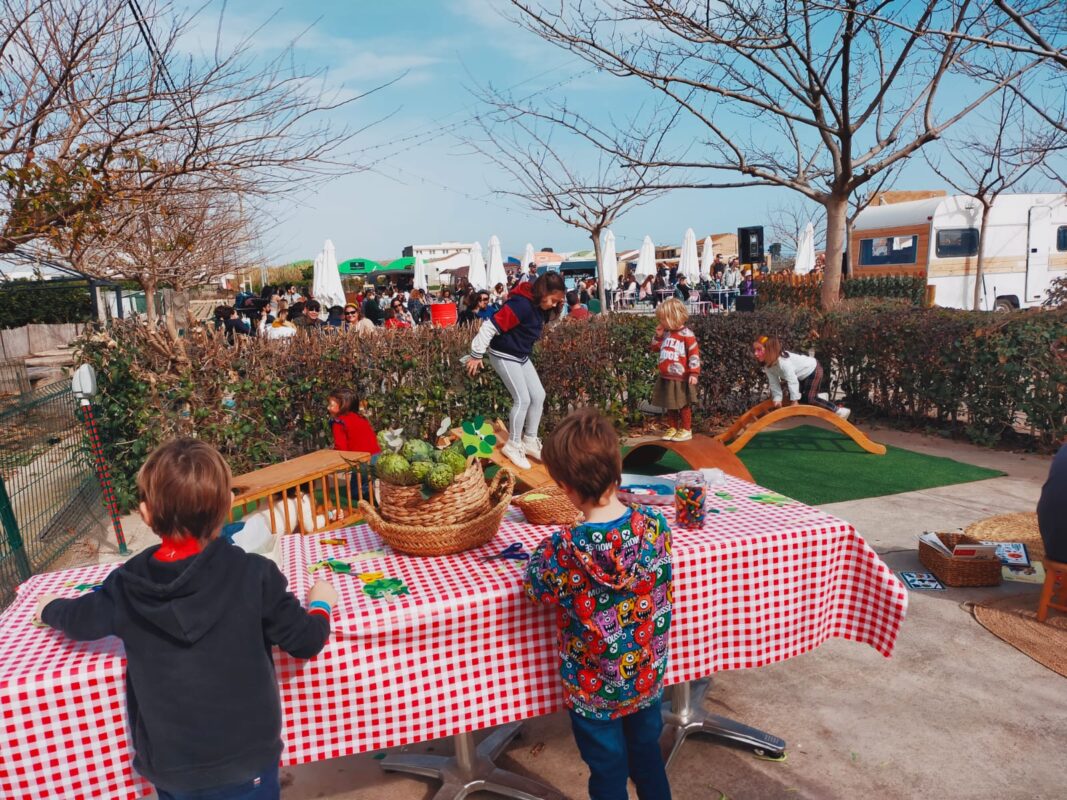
1004, 304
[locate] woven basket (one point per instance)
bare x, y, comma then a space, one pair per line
552, 508
464, 499
1020, 527
443, 539
959, 571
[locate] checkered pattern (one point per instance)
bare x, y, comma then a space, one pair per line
463, 651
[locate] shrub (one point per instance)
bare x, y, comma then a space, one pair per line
803, 290
25, 302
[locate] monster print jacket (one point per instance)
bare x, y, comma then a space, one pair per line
611, 585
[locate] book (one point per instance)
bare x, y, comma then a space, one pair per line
1012, 554
935, 542
1029, 573
975, 552
921, 580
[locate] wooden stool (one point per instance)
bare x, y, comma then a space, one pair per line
1054, 592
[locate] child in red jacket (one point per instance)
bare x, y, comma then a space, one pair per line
679, 369
353, 432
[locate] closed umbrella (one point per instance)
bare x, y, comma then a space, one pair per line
609, 263
805, 262
419, 280
477, 277
646, 260
688, 264
496, 272
528, 257
705, 258
326, 284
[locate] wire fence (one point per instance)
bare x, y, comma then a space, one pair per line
49, 495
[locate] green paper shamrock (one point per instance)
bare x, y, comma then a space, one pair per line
385, 588
478, 437
771, 498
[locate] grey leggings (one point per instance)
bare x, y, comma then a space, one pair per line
527, 395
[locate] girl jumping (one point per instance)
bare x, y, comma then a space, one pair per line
509, 337
802, 374
679, 369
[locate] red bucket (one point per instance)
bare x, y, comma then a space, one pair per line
442, 315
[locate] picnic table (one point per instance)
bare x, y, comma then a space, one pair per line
453, 646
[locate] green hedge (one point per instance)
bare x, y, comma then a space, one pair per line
804, 291
265, 402
25, 302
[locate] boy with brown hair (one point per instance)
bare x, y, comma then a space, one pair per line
610, 578
198, 617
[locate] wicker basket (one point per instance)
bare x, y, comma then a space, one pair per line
551, 508
465, 498
445, 538
959, 571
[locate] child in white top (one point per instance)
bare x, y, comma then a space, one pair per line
802, 374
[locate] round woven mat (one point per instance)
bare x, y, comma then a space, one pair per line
1014, 619
1010, 528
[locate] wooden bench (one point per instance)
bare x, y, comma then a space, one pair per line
308, 494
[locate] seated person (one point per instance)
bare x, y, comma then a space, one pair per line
575, 310
1052, 508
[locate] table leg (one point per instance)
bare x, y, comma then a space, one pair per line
687, 716
472, 769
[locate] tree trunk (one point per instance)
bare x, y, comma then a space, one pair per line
600, 273
836, 217
978, 269
150, 303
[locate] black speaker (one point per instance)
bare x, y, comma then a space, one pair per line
746, 302
750, 244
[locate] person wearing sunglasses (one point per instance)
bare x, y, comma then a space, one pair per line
396, 316
355, 322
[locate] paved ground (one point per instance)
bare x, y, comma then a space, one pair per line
956, 713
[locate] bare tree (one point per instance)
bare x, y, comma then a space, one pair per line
586, 191
787, 220
819, 98
97, 92
997, 154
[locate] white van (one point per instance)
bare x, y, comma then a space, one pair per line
1025, 247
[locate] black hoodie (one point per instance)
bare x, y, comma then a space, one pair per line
201, 693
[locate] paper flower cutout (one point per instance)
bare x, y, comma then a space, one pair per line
478, 437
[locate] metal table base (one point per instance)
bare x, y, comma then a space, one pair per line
472, 769
686, 716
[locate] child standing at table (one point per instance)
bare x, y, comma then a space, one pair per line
610, 578
679, 369
198, 616
802, 374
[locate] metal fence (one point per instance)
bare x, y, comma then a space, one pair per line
49, 495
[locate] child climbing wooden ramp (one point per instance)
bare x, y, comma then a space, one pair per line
765, 414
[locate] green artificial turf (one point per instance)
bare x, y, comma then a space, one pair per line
816, 466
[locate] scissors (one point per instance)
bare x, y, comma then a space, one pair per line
513, 552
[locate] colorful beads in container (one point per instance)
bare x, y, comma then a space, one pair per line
690, 499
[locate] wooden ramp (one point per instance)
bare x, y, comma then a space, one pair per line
700, 452
765, 414
533, 478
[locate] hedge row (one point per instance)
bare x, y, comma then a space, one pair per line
803, 290
265, 402
41, 302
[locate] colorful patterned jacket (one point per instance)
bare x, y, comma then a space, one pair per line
679, 354
611, 584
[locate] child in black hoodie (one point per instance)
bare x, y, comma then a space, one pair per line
198, 617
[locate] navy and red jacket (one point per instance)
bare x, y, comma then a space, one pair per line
353, 432
516, 327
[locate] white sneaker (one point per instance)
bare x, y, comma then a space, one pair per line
843, 412
823, 396
531, 446
514, 453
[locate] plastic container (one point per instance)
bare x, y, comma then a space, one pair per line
690, 500
443, 315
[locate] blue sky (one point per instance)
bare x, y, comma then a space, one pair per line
431, 189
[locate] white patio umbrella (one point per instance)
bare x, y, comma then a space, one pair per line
609, 263
476, 275
805, 262
419, 281
326, 280
646, 260
496, 273
688, 264
528, 257
706, 258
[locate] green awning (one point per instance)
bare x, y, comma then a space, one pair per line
399, 264
359, 266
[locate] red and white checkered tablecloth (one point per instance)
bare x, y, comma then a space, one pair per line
463, 651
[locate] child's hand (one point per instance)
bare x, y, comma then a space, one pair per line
473, 366
42, 601
323, 591
693, 380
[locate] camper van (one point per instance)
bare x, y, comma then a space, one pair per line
1025, 247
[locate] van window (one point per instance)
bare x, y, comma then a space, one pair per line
1061, 238
890, 250
956, 242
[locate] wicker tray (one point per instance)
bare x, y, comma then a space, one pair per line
433, 539
959, 571
552, 508
464, 499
